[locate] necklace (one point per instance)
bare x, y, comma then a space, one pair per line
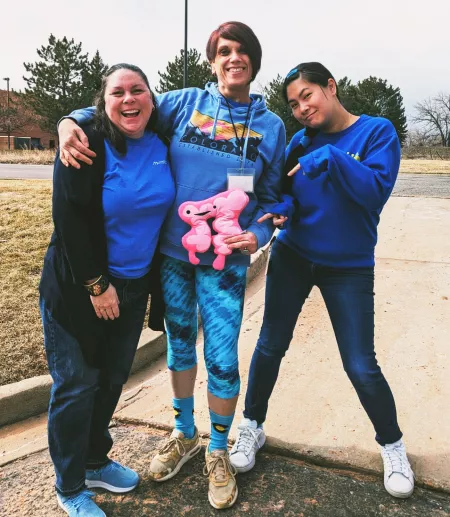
240, 141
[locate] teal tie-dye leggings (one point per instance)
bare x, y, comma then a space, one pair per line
220, 298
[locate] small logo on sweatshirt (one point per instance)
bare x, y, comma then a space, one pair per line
162, 162
355, 156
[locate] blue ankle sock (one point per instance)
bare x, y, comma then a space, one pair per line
220, 429
184, 416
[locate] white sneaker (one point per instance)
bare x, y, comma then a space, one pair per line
398, 475
249, 440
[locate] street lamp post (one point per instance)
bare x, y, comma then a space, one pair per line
7, 110
185, 73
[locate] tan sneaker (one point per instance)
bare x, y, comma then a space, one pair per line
173, 455
223, 490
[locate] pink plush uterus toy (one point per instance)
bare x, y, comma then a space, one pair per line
225, 208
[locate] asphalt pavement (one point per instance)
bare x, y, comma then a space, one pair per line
19, 171
276, 486
423, 185
408, 185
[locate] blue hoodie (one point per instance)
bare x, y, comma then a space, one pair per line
344, 180
203, 146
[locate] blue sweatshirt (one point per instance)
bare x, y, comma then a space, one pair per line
344, 180
203, 146
138, 191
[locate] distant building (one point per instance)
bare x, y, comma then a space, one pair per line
30, 136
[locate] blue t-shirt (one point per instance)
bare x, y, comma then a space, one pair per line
138, 191
203, 146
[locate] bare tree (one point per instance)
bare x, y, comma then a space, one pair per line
418, 136
434, 115
16, 116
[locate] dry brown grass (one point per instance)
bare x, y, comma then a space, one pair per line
45, 157
425, 166
25, 229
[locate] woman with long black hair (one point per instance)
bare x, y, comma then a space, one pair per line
340, 171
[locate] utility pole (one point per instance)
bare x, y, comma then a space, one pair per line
7, 109
185, 74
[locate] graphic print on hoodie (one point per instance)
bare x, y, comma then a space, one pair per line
203, 146
221, 136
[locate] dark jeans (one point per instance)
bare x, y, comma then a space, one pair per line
349, 298
83, 398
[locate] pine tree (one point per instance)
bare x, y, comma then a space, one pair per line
273, 94
64, 79
199, 72
373, 96
92, 78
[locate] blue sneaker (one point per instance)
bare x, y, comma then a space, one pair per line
114, 477
80, 505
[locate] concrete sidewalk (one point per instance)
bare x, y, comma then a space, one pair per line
314, 411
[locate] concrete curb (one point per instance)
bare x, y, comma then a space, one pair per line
30, 397
341, 458
24, 399
314, 455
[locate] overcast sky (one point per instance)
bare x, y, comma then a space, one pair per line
406, 42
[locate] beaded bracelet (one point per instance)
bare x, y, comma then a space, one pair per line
98, 287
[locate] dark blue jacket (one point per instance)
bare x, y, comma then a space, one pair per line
77, 252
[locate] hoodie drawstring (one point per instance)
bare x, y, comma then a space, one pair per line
248, 128
213, 132
244, 153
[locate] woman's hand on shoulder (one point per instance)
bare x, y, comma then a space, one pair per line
106, 305
73, 144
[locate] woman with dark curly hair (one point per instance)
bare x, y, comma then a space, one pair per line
101, 265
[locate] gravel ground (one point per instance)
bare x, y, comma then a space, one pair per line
276, 486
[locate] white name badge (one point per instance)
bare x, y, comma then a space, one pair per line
242, 179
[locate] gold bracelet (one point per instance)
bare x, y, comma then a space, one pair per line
98, 287
94, 282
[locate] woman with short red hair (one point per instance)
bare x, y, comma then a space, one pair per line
221, 138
